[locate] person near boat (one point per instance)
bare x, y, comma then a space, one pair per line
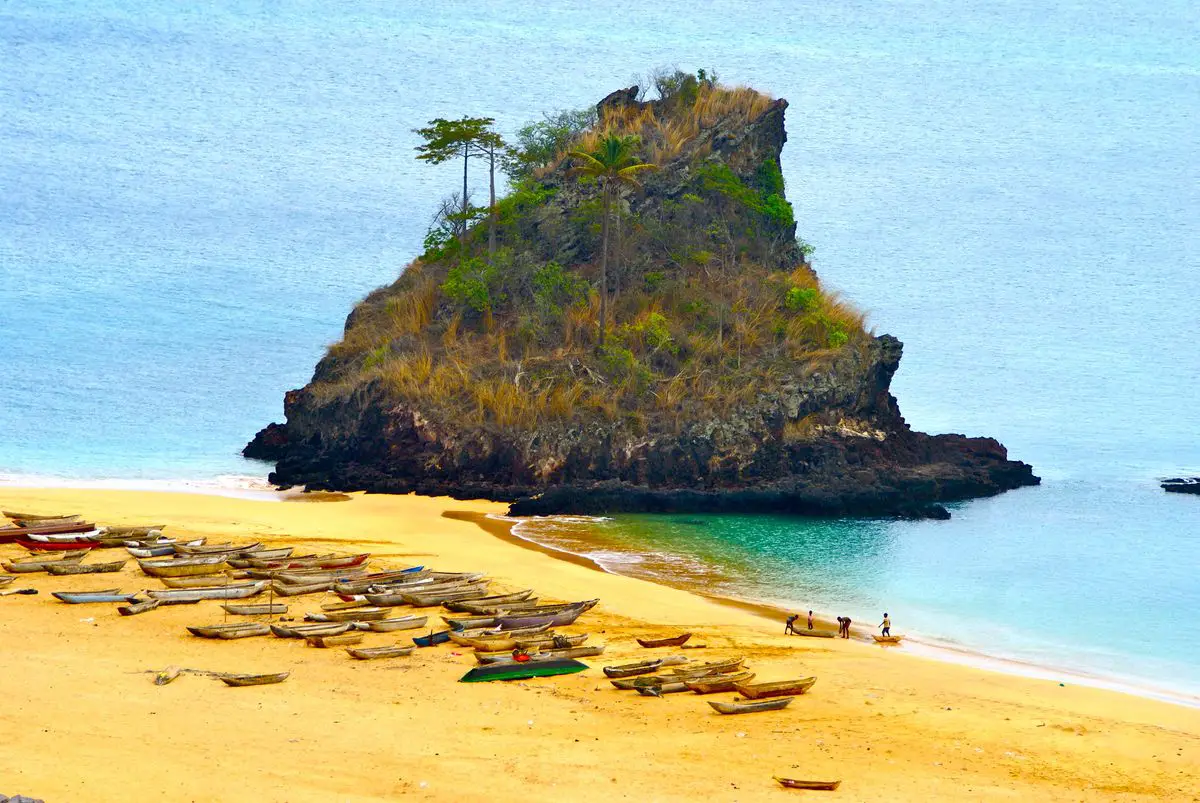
886, 624
810, 620
844, 626
789, 625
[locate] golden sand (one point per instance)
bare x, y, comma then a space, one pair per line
82, 720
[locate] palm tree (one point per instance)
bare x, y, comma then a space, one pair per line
614, 165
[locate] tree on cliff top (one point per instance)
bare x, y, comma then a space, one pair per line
614, 165
466, 137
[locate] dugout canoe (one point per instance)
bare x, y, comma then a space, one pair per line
61, 567
304, 631
643, 667
711, 684
531, 669
184, 567
397, 623
196, 581
820, 786
353, 615
237, 630
433, 639
495, 599
782, 688
38, 563
375, 653
750, 706
138, 607
887, 639
107, 595
253, 680
670, 641
273, 609
225, 549
231, 591
340, 640
545, 655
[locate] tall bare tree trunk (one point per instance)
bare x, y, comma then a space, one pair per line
492, 204
462, 224
604, 266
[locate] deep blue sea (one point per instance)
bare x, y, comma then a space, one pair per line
192, 198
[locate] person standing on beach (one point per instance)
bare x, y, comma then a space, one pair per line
845, 627
886, 624
810, 627
789, 625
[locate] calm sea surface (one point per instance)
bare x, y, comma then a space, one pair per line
191, 201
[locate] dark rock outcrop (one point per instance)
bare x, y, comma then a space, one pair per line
825, 438
1182, 485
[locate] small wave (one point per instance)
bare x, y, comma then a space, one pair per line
231, 485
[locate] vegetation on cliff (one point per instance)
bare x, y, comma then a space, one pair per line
712, 300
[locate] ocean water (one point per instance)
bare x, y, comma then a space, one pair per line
191, 199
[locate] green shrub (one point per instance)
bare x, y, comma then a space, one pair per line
802, 299
838, 337
555, 288
470, 284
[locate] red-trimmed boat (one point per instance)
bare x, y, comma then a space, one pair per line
11, 534
54, 546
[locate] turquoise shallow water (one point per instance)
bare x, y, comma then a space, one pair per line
191, 200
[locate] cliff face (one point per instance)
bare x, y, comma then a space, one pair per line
730, 381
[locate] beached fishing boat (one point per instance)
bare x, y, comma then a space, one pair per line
711, 668
196, 581
536, 642
495, 599
318, 562
226, 549
750, 706
363, 583
375, 653
304, 631
887, 639
711, 684
38, 563
163, 551
814, 633
421, 599
184, 567
643, 667
782, 688
6, 580
671, 641
253, 680
294, 590
487, 658
86, 537
138, 607
467, 622
273, 609
45, 546
820, 786
659, 689
433, 639
231, 591
531, 669
560, 619
17, 516
340, 640
303, 576
107, 595
397, 623
10, 534
353, 615
134, 531
234, 630
358, 602
62, 567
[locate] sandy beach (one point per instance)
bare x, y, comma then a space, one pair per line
83, 720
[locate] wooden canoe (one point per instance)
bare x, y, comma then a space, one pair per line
545, 655
233, 630
62, 567
316, 562
494, 599
433, 639
149, 551
340, 640
290, 590
659, 689
782, 688
138, 607
643, 667
353, 615
136, 531
255, 629
750, 706
88, 537
887, 639
9, 534
333, 607
39, 563
18, 516
711, 668
822, 786
814, 633
107, 595
253, 680
711, 684
230, 591
46, 546
224, 550
184, 568
361, 584
373, 653
6, 580
530, 669
304, 631
304, 576
274, 609
672, 641
196, 581
397, 623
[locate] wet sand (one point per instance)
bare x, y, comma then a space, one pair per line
83, 720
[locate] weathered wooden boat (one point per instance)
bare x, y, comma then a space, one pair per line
467, 622
814, 633
643, 667
341, 640
32, 524
333, 607
354, 615
10, 534
887, 639
295, 590
62, 567
6, 580
494, 599
422, 599
375, 653
750, 706
304, 631
106, 595
45, 546
672, 641
134, 531
537, 642
241, 560
149, 552
138, 607
231, 591
38, 562
226, 549
523, 671
782, 688
820, 786
196, 581
711, 668
272, 609
318, 562
18, 516
433, 639
397, 623
235, 630
184, 567
659, 689
477, 636
560, 619
544, 655
360, 585
253, 680
87, 537
711, 684
304, 576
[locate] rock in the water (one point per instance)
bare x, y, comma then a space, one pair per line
1182, 485
270, 443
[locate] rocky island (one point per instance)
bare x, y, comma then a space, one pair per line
635, 327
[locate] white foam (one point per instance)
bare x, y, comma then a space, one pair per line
230, 485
